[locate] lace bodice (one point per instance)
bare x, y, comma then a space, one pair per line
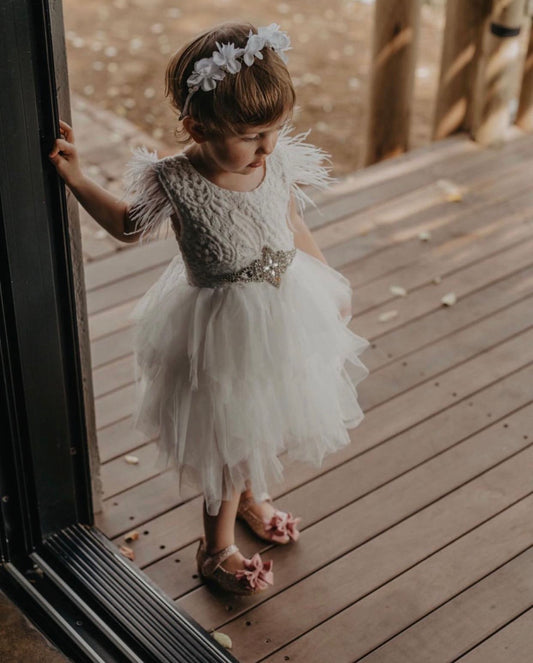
220, 230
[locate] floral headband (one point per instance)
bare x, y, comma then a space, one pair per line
227, 59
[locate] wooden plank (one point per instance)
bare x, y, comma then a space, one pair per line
385, 611
407, 207
419, 159
460, 169
430, 328
111, 320
429, 362
387, 420
120, 438
428, 297
467, 619
443, 259
461, 235
123, 264
414, 454
114, 406
384, 248
357, 560
111, 347
124, 290
514, 644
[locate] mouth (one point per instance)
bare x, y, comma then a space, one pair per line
256, 164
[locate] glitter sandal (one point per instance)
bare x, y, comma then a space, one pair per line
281, 528
255, 577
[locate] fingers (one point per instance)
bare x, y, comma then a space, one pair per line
63, 146
66, 131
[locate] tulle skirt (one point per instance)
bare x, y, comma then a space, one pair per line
231, 377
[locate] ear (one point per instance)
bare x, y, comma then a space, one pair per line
195, 130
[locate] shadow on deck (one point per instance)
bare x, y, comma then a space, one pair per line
417, 538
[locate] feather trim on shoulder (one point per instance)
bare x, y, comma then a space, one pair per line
304, 165
150, 206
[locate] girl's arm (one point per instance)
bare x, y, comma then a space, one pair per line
107, 210
303, 239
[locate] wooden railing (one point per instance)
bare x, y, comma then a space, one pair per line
486, 73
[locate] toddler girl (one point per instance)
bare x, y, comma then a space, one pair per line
241, 345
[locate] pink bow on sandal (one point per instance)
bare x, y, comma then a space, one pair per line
258, 574
282, 525
280, 528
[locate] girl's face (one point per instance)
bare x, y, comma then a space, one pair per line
245, 152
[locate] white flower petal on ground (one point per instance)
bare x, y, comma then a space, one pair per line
398, 290
425, 235
222, 639
453, 193
449, 299
387, 315
132, 460
127, 552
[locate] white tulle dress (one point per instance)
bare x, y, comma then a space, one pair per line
231, 374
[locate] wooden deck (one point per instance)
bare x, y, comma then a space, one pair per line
417, 542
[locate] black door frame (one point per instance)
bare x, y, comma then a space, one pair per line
61, 570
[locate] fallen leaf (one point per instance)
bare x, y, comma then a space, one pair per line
131, 536
222, 639
387, 315
449, 299
398, 290
127, 552
132, 460
452, 192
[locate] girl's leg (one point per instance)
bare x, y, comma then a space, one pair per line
260, 509
220, 531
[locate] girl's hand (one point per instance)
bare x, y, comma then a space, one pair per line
64, 155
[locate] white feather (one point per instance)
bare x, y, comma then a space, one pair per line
304, 166
150, 206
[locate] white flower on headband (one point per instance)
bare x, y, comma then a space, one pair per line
208, 71
206, 74
276, 39
226, 57
254, 45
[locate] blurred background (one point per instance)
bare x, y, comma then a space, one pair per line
117, 53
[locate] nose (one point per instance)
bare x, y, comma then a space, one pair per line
268, 144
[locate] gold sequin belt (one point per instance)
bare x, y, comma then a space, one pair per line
269, 267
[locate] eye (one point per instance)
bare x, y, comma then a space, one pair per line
249, 139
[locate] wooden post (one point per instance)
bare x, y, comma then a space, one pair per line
524, 117
495, 92
460, 52
396, 31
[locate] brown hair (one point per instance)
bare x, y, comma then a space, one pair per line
256, 95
